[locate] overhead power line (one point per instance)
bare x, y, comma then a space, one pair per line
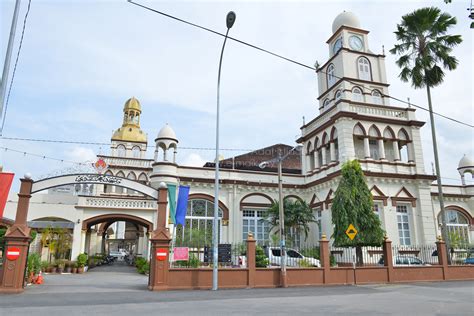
283, 57
59, 141
14, 67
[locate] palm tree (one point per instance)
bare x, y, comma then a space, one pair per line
298, 216
423, 46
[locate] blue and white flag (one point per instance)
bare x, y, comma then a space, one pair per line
182, 205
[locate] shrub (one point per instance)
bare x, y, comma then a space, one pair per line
192, 262
82, 260
33, 263
143, 266
44, 265
314, 253
261, 261
304, 263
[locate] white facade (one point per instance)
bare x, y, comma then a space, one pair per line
355, 121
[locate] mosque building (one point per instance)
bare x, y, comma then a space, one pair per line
355, 121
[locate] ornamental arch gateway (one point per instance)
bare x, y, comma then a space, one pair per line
18, 235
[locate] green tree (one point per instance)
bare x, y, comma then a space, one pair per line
423, 46
352, 204
298, 216
58, 241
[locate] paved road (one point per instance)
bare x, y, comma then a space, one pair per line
118, 290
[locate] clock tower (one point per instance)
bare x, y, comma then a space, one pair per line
353, 70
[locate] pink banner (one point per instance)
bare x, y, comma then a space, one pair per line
181, 254
6, 180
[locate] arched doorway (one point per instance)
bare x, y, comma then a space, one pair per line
117, 235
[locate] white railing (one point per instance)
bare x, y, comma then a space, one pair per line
128, 162
119, 203
372, 110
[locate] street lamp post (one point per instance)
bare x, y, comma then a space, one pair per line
230, 19
262, 165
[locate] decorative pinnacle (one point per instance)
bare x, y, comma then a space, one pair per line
439, 238
250, 236
323, 236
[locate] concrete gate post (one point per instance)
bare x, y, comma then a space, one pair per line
388, 258
251, 264
325, 258
160, 246
17, 236
442, 255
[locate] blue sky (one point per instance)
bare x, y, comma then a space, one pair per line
81, 60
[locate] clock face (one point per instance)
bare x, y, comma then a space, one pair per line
355, 42
337, 45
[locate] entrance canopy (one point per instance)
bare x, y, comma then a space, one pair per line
88, 178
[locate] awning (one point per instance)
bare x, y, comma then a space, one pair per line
51, 224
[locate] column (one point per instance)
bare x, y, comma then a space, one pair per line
411, 152
98, 245
83, 241
381, 149
396, 150
332, 151
323, 152
366, 148
17, 240
316, 159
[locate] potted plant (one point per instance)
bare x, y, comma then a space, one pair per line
61, 264
67, 266
81, 262
44, 266
73, 267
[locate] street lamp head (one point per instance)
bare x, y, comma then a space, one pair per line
230, 19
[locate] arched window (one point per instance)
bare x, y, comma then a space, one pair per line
338, 95
363, 66
108, 187
119, 190
136, 152
310, 154
457, 225
331, 75
357, 94
374, 133
199, 223
358, 137
326, 103
403, 141
121, 150
376, 97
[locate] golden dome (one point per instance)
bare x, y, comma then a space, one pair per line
132, 104
130, 130
130, 134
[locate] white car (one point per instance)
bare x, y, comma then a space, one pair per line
293, 258
120, 255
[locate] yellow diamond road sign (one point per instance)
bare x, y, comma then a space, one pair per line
351, 232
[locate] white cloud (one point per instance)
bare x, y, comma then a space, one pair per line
193, 160
81, 154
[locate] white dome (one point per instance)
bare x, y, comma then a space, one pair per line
465, 162
167, 133
347, 19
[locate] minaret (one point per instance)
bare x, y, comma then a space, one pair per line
165, 168
129, 141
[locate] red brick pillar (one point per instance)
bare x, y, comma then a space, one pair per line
251, 266
160, 243
324, 257
442, 255
388, 258
17, 237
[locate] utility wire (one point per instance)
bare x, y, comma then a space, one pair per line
14, 68
108, 144
43, 156
285, 58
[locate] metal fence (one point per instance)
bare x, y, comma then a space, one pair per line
461, 255
350, 256
303, 256
415, 255
201, 256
